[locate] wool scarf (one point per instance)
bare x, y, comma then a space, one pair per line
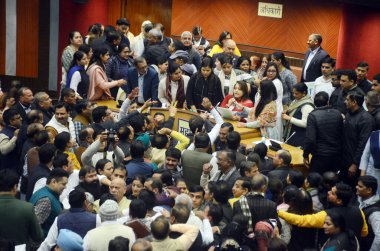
180, 96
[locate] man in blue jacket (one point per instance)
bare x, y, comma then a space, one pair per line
145, 78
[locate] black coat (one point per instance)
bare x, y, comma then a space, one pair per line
261, 208
337, 98
365, 85
313, 70
323, 132
357, 129
153, 52
376, 115
199, 88
280, 173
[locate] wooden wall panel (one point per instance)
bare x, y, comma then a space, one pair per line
156, 11
2, 36
300, 18
27, 38
116, 10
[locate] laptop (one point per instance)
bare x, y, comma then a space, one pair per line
225, 112
274, 146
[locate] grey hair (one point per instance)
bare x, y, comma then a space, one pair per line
38, 96
186, 33
185, 200
156, 33
139, 60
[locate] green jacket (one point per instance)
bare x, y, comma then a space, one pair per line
56, 206
18, 221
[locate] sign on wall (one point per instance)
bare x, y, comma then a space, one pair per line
270, 10
183, 126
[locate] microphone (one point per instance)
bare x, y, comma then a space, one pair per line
286, 141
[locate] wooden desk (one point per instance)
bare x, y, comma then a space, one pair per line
182, 118
297, 158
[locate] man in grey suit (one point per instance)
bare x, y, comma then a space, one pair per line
313, 59
226, 169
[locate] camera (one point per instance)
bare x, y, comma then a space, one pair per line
111, 136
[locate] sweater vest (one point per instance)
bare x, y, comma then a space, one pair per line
77, 220
366, 242
12, 159
56, 206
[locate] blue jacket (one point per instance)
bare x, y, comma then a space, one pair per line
138, 166
77, 220
150, 83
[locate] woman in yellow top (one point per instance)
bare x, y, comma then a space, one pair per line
218, 46
64, 143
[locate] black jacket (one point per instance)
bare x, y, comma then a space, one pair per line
365, 85
280, 173
199, 88
39, 172
313, 70
323, 132
376, 115
261, 208
357, 129
340, 96
155, 51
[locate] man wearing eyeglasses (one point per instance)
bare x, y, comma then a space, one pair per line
9, 143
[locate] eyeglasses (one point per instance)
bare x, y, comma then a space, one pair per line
325, 67
271, 71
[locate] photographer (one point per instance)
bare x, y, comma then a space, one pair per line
104, 147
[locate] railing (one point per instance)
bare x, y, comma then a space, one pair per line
295, 58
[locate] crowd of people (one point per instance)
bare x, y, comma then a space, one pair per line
77, 176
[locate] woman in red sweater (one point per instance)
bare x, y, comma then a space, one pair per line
238, 100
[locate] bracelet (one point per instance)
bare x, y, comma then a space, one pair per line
211, 107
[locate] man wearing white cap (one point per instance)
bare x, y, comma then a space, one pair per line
98, 238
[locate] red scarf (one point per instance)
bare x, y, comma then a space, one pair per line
180, 97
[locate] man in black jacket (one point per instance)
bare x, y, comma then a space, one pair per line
156, 48
348, 85
357, 129
281, 163
363, 83
372, 100
259, 207
323, 136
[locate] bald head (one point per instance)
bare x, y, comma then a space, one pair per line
229, 47
160, 228
118, 188
142, 245
259, 183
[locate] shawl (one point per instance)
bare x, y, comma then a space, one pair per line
180, 96
292, 110
233, 80
61, 128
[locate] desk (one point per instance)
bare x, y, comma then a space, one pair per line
297, 158
182, 117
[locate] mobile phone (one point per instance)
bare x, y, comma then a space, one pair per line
274, 222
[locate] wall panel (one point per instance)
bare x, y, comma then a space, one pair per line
27, 38
116, 10
2, 36
359, 38
300, 18
155, 11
